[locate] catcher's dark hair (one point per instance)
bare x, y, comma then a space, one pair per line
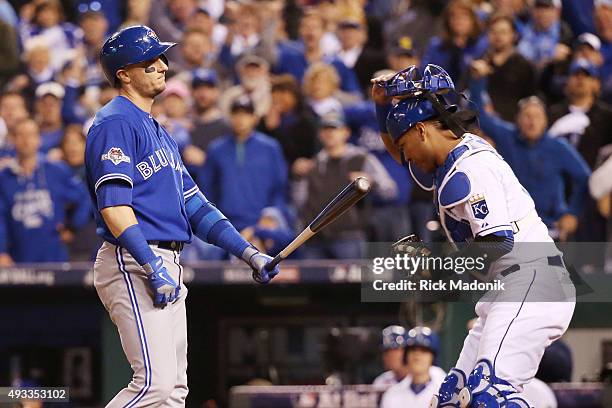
466, 119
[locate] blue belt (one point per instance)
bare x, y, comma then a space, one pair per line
552, 261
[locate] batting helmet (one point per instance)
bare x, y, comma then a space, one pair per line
393, 337
424, 337
130, 46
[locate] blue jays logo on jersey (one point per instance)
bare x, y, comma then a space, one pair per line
479, 206
115, 155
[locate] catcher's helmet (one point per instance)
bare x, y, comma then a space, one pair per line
424, 337
130, 46
421, 98
393, 337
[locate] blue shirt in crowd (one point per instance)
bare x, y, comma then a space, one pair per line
244, 178
453, 59
32, 208
291, 60
539, 46
542, 167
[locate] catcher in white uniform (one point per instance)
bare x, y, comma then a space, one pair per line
480, 202
423, 378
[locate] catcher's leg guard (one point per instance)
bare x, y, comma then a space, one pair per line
448, 394
485, 390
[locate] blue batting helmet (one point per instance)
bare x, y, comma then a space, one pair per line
130, 46
422, 336
393, 337
421, 99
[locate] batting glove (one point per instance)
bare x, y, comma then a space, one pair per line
258, 261
165, 289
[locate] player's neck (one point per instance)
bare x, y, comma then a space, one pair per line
584, 102
142, 102
446, 145
27, 164
421, 378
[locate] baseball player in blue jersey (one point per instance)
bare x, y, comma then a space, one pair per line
147, 208
480, 202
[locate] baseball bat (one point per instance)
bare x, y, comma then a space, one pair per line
345, 199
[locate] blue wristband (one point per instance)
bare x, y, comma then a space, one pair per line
382, 111
113, 193
134, 241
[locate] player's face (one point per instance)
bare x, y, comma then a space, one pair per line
501, 35
532, 121
147, 78
27, 139
419, 360
393, 360
417, 148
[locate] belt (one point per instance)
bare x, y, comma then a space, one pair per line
170, 245
552, 261
525, 222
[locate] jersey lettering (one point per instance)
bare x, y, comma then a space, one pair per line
147, 169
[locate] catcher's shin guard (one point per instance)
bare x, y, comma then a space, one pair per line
448, 394
485, 390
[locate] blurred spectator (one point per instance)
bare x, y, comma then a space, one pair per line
334, 167
541, 163
9, 52
460, 43
48, 24
204, 21
12, 110
138, 12
48, 114
554, 75
208, 122
33, 201
600, 185
170, 18
196, 52
175, 104
271, 233
586, 123
85, 241
356, 55
603, 22
95, 31
112, 10
392, 345
243, 35
245, 171
322, 89
415, 19
290, 121
37, 70
582, 118
510, 76
295, 57
402, 54
254, 75
545, 38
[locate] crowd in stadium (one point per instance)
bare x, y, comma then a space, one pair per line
269, 103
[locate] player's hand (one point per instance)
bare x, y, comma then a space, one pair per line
480, 69
567, 225
165, 289
378, 90
258, 261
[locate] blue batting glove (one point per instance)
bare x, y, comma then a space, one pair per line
258, 261
165, 289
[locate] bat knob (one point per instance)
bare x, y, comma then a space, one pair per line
362, 184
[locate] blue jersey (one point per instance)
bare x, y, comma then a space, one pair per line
126, 144
32, 208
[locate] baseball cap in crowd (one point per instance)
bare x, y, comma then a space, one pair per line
349, 23
583, 65
93, 8
252, 60
50, 88
589, 39
547, 3
332, 120
403, 46
176, 87
204, 77
242, 103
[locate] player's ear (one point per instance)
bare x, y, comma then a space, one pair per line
123, 76
420, 126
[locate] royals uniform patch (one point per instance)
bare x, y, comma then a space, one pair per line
115, 155
479, 206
